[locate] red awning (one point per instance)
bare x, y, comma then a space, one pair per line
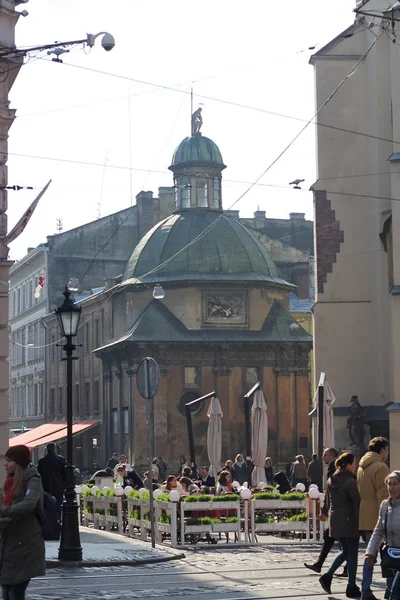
36, 433
54, 432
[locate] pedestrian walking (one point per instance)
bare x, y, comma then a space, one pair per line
239, 469
387, 530
329, 457
114, 461
299, 471
371, 477
51, 468
22, 552
269, 474
343, 499
314, 472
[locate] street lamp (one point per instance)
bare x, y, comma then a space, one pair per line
68, 316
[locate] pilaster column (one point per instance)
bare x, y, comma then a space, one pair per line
222, 374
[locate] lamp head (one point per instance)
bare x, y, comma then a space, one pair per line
68, 315
158, 292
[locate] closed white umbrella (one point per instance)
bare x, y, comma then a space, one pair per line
214, 436
329, 429
259, 437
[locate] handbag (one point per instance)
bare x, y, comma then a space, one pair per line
390, 556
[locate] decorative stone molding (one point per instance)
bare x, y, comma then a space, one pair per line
222, 371
225, 309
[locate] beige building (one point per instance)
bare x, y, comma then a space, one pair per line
357, 217
10, 68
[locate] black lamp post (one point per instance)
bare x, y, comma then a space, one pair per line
68, 315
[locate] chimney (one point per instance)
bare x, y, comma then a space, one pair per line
297, 216
144, 203
232, 213
259, 218
166, 202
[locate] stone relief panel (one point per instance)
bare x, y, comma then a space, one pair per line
225, 309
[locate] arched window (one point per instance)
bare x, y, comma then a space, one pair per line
202, 192
217, 192
185, 191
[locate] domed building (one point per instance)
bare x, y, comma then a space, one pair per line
223, 324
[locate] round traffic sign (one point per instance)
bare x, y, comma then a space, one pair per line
148, 378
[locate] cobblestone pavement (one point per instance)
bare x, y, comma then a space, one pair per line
268, 572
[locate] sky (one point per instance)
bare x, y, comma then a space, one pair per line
112, 109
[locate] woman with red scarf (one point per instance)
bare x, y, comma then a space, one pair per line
22, 552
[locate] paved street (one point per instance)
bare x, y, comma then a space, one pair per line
270, 572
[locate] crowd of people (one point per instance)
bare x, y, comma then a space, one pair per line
365, 503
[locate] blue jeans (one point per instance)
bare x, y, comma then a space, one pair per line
349, 554
368, 570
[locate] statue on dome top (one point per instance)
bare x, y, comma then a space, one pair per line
197, 121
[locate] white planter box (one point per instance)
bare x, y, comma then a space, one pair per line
217, 527
225, 505
265, 527
134, 522
99, 520
146, 524
164, 527
293, 504
291, 526
268, 504
165, 505
198, 505
198, 528
111, 519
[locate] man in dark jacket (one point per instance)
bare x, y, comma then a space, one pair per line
114, 461
315, 471
205, 479
52, 471
329, 457
130, 477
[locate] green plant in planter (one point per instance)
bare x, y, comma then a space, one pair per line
100, 511
162, 498
301, 518
135, 514
231, 520
133, 494
88, 510
164, 519
294, 497
264, 519
267, 496
225, 498
146, 495
86, 493
110, 493
146, 517
98, 493
202, 521
112, 512
200, 498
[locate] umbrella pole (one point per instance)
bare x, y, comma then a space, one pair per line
248, 437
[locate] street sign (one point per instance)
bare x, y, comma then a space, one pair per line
148, 378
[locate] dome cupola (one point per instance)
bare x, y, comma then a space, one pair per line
197, 166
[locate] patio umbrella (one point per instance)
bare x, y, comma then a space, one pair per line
214, 436
259, 436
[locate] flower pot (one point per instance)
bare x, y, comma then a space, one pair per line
164, 527
217, 527
198, 528
293, 504
134, 522
165, 505
291, 526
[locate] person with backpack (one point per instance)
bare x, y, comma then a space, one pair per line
22, 550
51, 468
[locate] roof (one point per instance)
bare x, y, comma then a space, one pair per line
158, 324
334, 42
197, 149
50, 432
301, 305
200, 244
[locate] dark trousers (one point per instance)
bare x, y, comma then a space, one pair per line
349, 554
326, 548
14, 592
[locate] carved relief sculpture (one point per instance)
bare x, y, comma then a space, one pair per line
225, 308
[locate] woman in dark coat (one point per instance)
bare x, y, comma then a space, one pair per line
343, 501
239, 469
282, 482
22, 553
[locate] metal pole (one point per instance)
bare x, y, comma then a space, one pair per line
70, 544
192, 450
149, 405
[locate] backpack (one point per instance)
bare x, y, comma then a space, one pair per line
51, 526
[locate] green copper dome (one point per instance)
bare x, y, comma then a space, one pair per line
227, 252
197, 149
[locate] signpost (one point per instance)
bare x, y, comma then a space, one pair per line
148, 383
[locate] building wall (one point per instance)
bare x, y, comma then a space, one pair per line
352, 324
